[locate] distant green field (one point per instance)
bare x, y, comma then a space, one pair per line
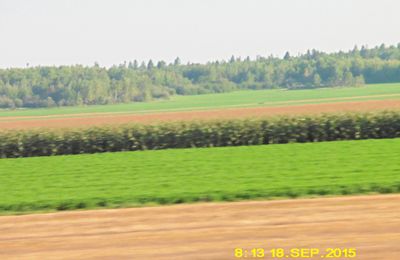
189, 175
233, 99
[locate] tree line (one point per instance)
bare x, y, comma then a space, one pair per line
52, 86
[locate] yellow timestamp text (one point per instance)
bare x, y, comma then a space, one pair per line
281, 253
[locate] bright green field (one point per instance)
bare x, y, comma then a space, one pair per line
188, 175
233, 99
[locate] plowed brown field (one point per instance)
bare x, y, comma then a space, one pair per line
85, 120
370, 224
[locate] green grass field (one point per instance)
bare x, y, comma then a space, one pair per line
189, 175
276, 97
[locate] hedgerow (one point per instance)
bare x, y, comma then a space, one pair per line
28, 143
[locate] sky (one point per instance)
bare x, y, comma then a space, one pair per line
64, 32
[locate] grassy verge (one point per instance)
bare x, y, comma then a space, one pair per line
204, 174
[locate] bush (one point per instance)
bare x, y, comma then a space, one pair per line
200, 134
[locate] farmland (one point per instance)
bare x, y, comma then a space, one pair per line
369, 224
257, 98
112, 177
239, 104
207, 174
91, 120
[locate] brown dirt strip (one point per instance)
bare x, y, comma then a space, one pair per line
370, 224
359, 106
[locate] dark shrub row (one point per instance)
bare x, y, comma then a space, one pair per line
200, 134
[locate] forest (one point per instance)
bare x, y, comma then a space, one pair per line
50, 86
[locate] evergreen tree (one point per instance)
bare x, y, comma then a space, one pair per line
150, 65
177, 61
287, 56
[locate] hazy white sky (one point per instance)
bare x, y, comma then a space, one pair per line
48, 32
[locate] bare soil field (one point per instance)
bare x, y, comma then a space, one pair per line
86, 120
370, 224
